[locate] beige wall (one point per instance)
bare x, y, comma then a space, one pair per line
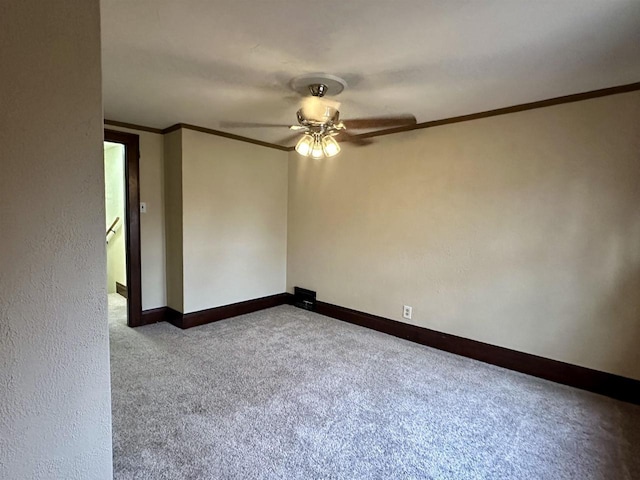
152, 228
234, 200
173, 204
115, 208
223, 215
520, 230
55, 405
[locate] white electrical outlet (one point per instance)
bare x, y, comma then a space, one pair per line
407, 311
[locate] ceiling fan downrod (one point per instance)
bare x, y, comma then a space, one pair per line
318, 89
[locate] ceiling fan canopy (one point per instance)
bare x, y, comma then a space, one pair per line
319, 118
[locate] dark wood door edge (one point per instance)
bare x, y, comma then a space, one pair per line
131, 144
614, 386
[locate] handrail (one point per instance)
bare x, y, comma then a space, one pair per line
110, 229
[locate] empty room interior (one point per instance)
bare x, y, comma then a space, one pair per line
348, 240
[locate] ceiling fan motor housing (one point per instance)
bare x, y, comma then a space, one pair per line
318, 117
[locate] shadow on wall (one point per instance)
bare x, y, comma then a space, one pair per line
621, 313
611, 285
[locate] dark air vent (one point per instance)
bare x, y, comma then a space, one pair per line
304, 298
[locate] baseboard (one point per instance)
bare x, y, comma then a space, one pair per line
154, 315
611, 385
121, 289
608, 384
210, 315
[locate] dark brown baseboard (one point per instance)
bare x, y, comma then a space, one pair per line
154, 315
608, 384
121, 289
611, 385
168, 314
202, 317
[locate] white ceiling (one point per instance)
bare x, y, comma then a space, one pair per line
203, 62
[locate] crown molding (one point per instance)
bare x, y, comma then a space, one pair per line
576, 97
132, 126
218, 133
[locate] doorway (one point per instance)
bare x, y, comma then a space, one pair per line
122, 199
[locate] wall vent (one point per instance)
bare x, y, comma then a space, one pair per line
304, 298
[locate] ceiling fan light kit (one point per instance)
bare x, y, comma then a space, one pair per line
316, 150
304, 145
317, 146
330, 147
319, 117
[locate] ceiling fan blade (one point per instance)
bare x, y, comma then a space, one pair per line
251, 125
380, 122
345, 136
288, 139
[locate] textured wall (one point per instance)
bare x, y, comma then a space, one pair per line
234, 220
55, 419
520, 230
114, 202
152, 228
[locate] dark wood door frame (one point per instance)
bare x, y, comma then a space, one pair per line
131, 144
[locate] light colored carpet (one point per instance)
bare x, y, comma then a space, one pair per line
286, 394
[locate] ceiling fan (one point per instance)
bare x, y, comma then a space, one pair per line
319, 118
